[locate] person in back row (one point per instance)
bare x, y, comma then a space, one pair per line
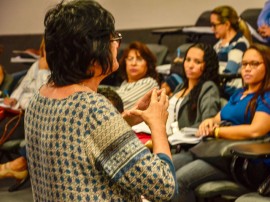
138, 70
234, 38
35, 77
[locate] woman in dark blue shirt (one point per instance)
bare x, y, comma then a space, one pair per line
248, 109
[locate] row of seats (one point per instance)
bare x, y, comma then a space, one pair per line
201, 30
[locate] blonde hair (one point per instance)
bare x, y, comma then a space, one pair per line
227, 13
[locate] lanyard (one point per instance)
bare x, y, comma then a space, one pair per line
175, 118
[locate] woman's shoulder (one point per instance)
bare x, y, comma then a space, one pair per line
90, 97
209, 85
236, 95
239, 42
148, 80
267, 96
145, 80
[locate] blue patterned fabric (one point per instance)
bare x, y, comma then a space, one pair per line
81, 149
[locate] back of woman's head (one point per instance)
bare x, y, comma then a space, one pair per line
227, 13
77, 36
210, 60
145, 53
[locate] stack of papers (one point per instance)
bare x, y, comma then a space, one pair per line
184, 136
141, 128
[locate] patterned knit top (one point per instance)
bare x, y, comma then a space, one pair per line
81, 149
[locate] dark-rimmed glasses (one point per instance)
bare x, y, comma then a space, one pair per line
214, 25
251, 64
117, 37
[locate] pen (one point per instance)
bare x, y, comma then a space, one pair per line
5, 92
178, 52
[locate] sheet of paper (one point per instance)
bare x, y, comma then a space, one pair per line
185, 135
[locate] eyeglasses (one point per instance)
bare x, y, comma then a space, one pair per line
214, 25
117, 37
251, 64
136, 59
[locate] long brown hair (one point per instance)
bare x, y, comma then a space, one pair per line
264, 51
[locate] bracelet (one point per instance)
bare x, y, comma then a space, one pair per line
216, 131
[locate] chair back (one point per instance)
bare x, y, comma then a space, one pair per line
250, 16
204, 19
160, 51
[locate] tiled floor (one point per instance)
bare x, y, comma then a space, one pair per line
24, 194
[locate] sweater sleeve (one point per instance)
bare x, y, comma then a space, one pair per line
118, 152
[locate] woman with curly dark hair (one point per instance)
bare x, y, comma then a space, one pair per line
198, 97
138, 70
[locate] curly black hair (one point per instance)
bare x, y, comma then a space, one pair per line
210, 73
77, 35
113, 97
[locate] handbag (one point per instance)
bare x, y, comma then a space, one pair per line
14, 117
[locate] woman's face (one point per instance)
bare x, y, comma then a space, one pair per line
136, 66
218, 28
194, 64
253, 68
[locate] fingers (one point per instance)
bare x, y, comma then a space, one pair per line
136, 112
154, 95
163, 96
10, 101
167, 102
204, 128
